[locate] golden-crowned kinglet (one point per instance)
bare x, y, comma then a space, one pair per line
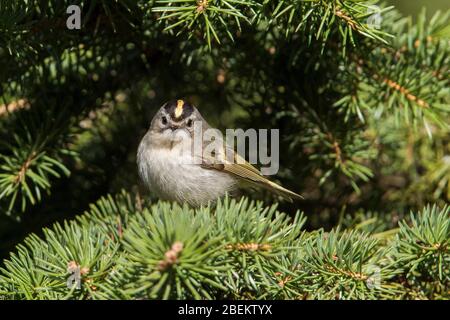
174, 167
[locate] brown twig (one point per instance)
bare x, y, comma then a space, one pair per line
394, 85
249, 247
23, 169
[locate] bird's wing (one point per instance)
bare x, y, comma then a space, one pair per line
236, 165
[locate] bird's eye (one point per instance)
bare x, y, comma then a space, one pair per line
163, 120
189, 123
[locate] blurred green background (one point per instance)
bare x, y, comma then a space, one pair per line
412, 7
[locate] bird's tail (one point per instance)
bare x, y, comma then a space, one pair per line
285, 193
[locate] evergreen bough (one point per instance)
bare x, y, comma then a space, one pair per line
238, 249
363, 112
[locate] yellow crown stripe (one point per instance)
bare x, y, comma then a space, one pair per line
179, 109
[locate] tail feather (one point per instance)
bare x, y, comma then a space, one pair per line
285, 193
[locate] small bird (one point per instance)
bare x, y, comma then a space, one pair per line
170, 167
